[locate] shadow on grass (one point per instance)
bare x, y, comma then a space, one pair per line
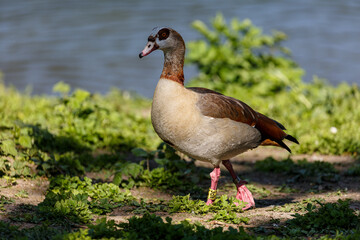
25, 222
56, 155
293, 180
262, 203
302, 175
48, 142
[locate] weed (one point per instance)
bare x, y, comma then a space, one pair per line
329, 218
26, 213
59, 135
223, 206
45, 232
153, 227
173, 173
353, 171
261, 191
143, 207
4, 201
77, 200
301, 206
286, 189
229, 217
22, 194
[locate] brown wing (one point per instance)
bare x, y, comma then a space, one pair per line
216, 105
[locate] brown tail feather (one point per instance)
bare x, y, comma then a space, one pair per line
269, 128
283, 145
268, 142
291, 138
272, 132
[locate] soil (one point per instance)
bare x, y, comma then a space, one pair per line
262, 216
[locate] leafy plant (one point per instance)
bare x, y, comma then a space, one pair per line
4, 201
261, 191
229, 217
287, 189
8, 231
241, 54
63, 135
22, 194
153, 227
73, 209
150, 206
329, 218
172, 173
353, 171
223, 206
77, 200
301, 206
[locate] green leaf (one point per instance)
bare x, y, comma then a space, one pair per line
139, 152
8, 147
81, 95
25, 141
117, 178
62, 88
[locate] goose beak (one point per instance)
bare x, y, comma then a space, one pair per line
150, 47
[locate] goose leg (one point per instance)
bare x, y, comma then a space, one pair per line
243, 193
214, 175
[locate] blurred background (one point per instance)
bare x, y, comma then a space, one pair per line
95, 44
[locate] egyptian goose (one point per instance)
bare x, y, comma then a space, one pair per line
202, 123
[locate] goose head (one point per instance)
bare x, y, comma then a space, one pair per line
165, 39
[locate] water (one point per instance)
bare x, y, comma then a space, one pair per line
94, 45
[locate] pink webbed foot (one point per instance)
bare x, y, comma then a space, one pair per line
244, 195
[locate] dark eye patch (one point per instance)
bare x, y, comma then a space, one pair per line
151, 39
163, 33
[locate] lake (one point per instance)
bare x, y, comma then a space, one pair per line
94, 45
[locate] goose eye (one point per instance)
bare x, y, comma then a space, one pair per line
164, 34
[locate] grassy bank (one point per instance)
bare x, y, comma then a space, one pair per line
98, 158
